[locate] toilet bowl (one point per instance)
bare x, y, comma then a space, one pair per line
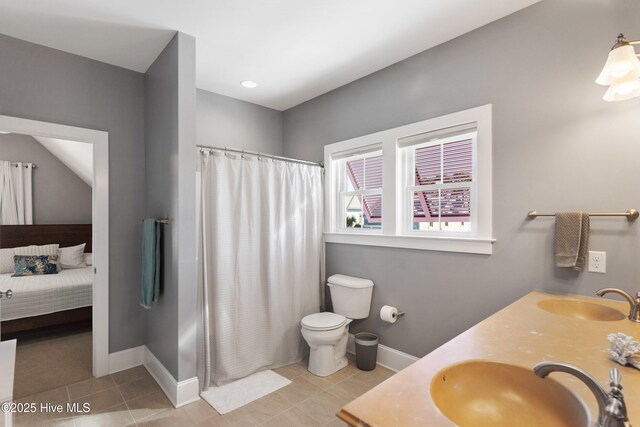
327, 333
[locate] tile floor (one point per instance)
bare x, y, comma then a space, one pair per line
132, 397
53, 361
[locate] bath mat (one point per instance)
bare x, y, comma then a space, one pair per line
231, 396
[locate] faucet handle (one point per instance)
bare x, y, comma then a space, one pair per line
615, 378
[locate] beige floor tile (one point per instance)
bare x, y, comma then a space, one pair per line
349, 389
37, 419
46, 364
116, 416
90, 386
291, 418
287, 372
321, 408
148, 405
265, 408
55, 396
129, 375
162, 420
102, 400
232, 419
328, 381
300, 367
140, 387
337, 423
374, 377
299, 390
187, 415
198, 411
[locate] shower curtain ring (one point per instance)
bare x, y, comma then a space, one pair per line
225, 152
243, 155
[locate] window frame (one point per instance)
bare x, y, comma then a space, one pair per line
394, 232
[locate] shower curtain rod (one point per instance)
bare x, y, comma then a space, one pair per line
254, 153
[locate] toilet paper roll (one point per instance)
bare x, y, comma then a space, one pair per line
389, 314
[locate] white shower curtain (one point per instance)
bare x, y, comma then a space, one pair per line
16, 199
262, 259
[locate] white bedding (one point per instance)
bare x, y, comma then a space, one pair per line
44, 294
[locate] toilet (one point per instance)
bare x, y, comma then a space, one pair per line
327, 333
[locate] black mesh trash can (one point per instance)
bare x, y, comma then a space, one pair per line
366, 351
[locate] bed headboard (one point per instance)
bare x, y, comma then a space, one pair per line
13, 236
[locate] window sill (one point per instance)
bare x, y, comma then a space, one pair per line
442, 244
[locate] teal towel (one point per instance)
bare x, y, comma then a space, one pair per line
150, 262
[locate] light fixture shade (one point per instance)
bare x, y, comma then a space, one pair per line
622, 66
623, 91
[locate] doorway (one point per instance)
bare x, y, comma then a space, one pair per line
99, 141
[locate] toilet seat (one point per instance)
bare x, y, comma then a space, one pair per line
326, 321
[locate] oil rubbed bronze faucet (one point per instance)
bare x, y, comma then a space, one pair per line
634, 303
612, 411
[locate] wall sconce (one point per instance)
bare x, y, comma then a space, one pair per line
621, 72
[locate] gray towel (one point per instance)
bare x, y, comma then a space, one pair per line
572, 239
150, 262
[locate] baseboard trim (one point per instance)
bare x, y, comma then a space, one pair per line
126, 359
388, 357
179, 393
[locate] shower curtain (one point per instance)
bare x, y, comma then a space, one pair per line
16, 199
262, 255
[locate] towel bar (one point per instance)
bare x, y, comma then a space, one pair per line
161, 221
631, 214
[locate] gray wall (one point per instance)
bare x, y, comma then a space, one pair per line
229, 122
170, 193
557, 146
41, 83
59, 195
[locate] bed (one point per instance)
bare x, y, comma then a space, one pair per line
46, 300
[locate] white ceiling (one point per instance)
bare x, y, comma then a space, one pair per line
294, 49
77, 156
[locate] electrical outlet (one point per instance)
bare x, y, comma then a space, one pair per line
597, 262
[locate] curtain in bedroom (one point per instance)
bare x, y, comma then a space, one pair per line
262, 254
16, 199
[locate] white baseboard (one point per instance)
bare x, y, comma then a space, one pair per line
388, 357
126, 359
179, 393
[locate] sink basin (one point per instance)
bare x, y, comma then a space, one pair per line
581, 309
481, 393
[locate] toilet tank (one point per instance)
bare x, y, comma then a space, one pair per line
351, 296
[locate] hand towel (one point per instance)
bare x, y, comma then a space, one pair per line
583, 250
571, 239
150, 262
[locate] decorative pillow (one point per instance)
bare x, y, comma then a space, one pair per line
51, 249
72, 257
88, 258
30, 265
6, 260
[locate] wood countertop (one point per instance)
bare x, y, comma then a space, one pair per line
521, 334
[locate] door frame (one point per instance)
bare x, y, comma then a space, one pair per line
100, 207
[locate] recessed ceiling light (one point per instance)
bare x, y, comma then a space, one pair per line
249, 84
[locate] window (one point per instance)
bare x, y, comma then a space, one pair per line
426, 185
361, 195
439, 187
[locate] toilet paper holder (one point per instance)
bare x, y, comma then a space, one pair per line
399, 314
